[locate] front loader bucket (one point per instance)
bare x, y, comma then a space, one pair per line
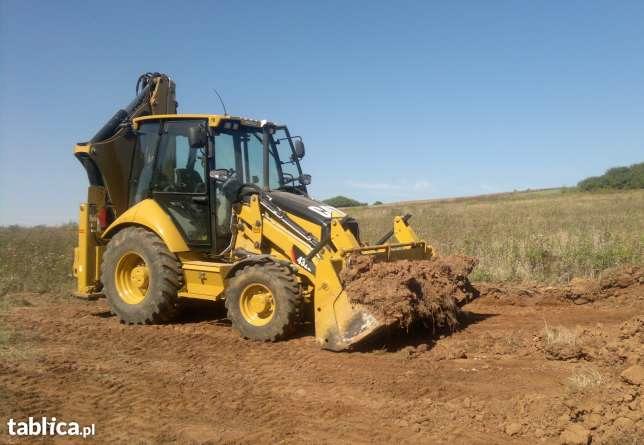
378, 287
339, 323
348, 325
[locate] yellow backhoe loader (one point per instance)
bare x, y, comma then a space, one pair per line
216, 207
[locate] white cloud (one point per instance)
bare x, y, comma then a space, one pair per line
422, 185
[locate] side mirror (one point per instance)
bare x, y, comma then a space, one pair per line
221, 175
197, 137
305, 179
299, 148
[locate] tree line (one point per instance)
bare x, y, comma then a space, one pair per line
622, 178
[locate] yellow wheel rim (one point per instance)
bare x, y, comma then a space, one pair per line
257, 304
132, 278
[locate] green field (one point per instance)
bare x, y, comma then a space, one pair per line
546, 236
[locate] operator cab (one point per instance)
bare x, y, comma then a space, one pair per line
186, 162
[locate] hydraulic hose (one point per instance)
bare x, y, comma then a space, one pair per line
143, 87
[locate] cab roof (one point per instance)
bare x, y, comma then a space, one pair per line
214, 120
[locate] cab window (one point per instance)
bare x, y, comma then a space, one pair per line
143, 161
179, 168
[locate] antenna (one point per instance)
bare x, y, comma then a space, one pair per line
222, 102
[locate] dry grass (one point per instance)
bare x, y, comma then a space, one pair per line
584, 378
37, 259
561, 343
559, 335
546, 236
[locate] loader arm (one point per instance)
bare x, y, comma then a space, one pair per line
339, 324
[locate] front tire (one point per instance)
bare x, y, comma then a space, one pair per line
141, 277
263, 302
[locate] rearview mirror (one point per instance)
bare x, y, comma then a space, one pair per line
197, 137
299, 148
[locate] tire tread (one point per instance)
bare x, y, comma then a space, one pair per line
290, 296
163, 304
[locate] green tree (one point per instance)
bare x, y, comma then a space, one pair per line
343, 201
631, 177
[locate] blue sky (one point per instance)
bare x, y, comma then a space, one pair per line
395, 100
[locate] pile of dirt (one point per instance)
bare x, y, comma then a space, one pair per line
614, 286
405, 292
611, 412
603, 400
596, 344
611, 283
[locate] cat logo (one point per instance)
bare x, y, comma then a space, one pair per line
327, 211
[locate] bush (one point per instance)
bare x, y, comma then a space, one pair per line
616, 178
343, 201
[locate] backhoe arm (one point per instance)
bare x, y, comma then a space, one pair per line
107, 158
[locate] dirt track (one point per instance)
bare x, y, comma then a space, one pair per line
196, 381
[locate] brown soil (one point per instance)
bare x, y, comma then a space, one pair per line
614, 286
196, 381
406, 292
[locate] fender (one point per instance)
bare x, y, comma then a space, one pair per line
150, 215
255, 259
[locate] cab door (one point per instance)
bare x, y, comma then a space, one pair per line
180, 182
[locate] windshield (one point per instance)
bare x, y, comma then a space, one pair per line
242, 151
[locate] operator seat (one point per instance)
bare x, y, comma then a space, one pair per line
188, 181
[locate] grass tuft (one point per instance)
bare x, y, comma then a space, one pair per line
584, 378
559, 335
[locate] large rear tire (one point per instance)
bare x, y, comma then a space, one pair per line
141, 277
263, 302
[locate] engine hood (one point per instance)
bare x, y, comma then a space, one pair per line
307, 208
